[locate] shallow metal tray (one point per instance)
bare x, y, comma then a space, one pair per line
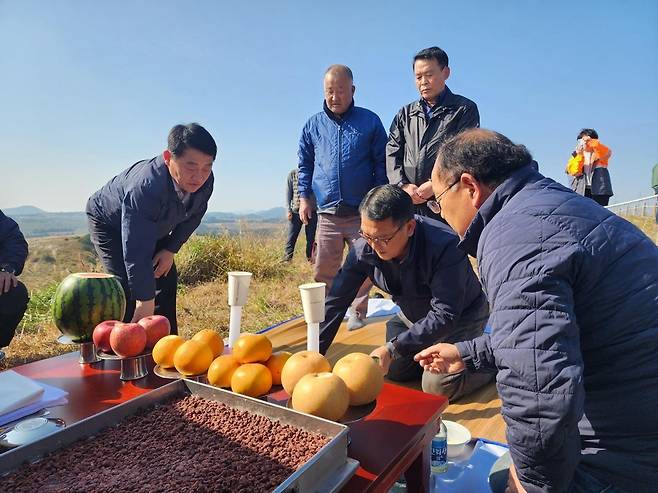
326, 471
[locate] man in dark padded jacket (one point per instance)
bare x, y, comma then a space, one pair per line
573, 295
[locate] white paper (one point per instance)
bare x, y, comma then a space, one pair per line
17, 391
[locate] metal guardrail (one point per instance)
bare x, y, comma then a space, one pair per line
644, 207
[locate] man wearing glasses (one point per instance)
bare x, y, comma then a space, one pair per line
416, 260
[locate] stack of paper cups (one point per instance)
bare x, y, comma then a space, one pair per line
313, 304
238, 288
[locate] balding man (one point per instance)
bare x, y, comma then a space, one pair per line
341, 158
573, 296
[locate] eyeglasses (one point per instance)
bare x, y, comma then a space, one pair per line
435, 205
379, 241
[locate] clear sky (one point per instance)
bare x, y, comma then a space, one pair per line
88, 87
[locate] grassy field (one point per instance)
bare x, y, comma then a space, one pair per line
202, 298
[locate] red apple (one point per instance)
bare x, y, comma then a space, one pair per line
128, 339
101, 335
156, 327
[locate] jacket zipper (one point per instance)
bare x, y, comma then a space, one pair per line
340, 162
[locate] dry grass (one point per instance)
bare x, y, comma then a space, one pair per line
273, 296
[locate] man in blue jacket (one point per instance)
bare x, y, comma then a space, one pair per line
416, 260
13, 293
573, 293
142, 217
341, 157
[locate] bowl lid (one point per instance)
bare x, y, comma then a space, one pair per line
30, 430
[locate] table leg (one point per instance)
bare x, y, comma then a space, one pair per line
418, 474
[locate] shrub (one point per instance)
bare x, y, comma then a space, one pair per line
210, 257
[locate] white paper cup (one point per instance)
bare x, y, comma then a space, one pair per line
313, 301
238, 288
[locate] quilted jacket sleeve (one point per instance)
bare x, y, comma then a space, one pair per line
535, 341
306, 155
13, 247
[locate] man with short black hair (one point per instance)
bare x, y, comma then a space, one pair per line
341, 157
416, 260
573, 292
142, 217
13, 293
420, 127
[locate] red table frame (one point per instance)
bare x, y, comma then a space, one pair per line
393, 439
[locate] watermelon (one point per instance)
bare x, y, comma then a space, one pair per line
83, 300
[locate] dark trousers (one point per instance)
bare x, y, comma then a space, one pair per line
294, 228
13, 304
108, 245
452, 385
599, 199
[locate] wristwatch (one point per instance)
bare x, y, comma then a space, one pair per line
392, 349
7, 268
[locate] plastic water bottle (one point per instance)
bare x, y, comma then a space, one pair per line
439, 457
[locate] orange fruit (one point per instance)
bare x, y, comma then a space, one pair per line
192, 358
164, 350
252, 379
221, 370
275, 365
252, 348
213, 339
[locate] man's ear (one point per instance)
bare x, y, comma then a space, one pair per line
166, 154
446, 72
477, 191
411, 227
353, 90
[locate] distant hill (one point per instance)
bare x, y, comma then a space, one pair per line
23, 210
35, 222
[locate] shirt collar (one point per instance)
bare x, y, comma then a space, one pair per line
495, 202
443, 95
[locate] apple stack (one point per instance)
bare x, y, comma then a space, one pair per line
129, 340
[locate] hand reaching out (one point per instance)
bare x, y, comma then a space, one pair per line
440, 358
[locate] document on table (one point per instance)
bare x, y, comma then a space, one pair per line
17, 391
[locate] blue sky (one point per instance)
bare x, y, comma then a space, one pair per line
88, 88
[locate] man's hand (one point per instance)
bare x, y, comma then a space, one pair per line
383, 358
412, 190
143, 309
440, 358
513, 483
162, 262
289, 215
7, 281
425, 191
305, 210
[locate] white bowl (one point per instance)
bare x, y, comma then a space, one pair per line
458, 437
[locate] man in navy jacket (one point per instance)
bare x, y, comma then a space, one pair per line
13, 294
416, 260
142, 217
341, 157
573, 294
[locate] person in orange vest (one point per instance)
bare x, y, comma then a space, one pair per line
588, 167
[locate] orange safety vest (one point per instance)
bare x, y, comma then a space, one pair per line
602, 153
